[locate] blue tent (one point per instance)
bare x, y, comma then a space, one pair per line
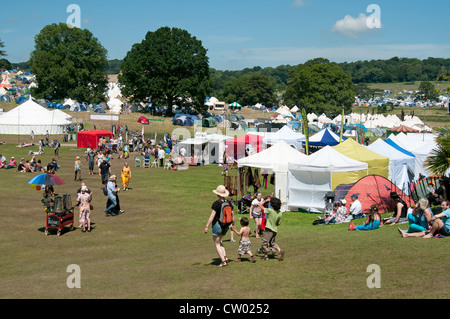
296, 125
325, 137
217, 118
401, 149
184, 119
99, 109
21, 99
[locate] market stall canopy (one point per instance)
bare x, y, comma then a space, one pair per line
287, 135
325, 137
275, 160
403, 128
309, 180
401, 166
87, 139
236, 147
378, 164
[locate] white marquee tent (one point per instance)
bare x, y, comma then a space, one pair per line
287, 135
310, 179
420, 149
30, 116
275, 159
401, 166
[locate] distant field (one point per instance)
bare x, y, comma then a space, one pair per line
400, 87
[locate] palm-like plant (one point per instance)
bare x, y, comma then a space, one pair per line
439, 161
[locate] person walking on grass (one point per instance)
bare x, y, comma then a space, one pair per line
83, 200
245, 246
126, 175
77, 168
274, 217
218, 228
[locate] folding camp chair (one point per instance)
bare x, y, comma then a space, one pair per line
138, 161
146, 162
167, 165
244, 204
155, 163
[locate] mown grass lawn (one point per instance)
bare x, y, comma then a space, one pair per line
157, 248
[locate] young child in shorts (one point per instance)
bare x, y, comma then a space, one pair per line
244, 244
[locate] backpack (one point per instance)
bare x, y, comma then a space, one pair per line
105, 190
226, 215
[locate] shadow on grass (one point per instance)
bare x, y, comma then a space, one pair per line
64, 230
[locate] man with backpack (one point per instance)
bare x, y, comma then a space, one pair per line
221, 218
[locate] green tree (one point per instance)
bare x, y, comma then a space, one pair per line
4, 64
427, 91
170, 67
68, 63
322, 88
2, 52
363, 91
250, 90
439, 161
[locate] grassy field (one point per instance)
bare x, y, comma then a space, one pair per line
157, 248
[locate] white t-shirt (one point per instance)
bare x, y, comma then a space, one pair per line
355, 208
183, 152
161, 153
256, 209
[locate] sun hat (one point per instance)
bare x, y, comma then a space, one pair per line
221, 191
343, 201
83, 188
112, 177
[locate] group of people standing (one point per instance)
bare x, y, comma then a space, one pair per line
219, 228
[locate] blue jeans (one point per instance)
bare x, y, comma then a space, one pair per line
360, 215
112, 205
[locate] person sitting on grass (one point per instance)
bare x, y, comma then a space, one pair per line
400, 211
418, 220
372, 222
245, 246
12, 163
2, 161
441, 222
356, 208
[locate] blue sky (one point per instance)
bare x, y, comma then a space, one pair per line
247, 33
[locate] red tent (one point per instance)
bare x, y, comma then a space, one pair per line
91, 138
372, 189
403, 128
236, 147
143, 120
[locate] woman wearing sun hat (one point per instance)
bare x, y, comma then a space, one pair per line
217, 231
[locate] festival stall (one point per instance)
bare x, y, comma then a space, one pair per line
310, 179
378, 164
59, 210
272, 161
87, 139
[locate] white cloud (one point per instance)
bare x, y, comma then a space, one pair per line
353, 27
4, 31
298, 3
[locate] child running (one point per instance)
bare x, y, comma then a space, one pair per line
274, 217
244, 243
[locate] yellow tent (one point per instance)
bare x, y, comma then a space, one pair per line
378, 164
